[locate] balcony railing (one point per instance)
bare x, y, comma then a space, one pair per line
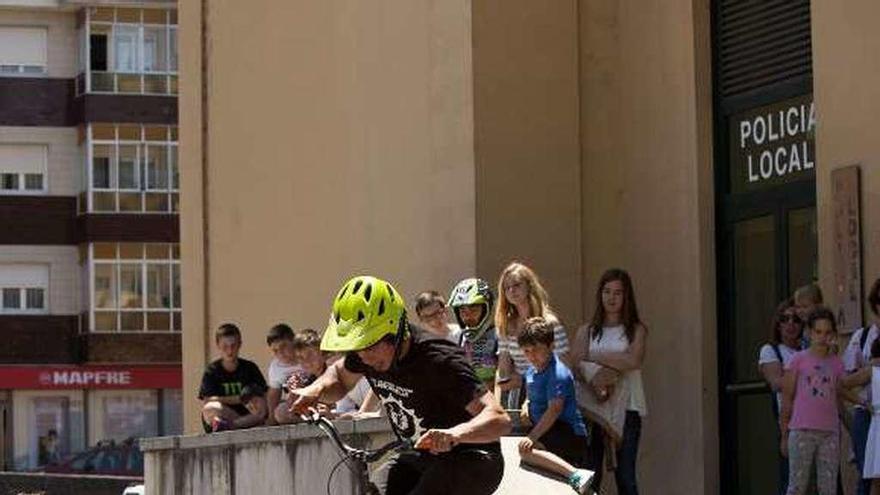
126, 83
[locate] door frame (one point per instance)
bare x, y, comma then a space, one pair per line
729, 209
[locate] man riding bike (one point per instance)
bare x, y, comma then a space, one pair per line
429, 391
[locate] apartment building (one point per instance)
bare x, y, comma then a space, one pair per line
89, 256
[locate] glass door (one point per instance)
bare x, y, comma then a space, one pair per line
769, 250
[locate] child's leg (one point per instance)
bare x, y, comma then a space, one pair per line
256, 416
827, 463
212, 410
802, 447
549, 461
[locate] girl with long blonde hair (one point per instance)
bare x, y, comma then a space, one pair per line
520, 297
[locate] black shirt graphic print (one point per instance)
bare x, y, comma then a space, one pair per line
216, 381
430, 387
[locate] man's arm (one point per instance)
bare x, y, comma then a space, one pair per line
327, 388
488, 424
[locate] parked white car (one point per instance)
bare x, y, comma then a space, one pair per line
134, 490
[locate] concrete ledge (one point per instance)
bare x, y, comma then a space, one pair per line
265, 434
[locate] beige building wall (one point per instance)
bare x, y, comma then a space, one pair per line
64, 157
846, 88
350, 150
526, 139
586, 144
64, 273
62, 46
648, 207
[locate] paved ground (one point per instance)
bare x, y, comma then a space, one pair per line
518, 480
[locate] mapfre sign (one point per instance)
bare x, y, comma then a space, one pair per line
90, 377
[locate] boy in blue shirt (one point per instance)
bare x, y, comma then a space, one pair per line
558, 440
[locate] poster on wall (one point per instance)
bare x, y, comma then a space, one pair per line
845, 197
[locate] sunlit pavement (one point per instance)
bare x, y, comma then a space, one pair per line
519, 480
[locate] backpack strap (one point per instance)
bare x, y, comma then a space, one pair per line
776, 351
773, 404
863, 338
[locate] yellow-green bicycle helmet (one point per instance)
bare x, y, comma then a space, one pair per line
365, 310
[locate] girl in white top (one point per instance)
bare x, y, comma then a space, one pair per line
520, 297
785, 342
615, 341
787, 334
872, 447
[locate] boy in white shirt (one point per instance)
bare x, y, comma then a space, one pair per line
282, 366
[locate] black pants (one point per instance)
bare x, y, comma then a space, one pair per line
465, 471
625, 474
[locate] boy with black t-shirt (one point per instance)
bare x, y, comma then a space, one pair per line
224, 382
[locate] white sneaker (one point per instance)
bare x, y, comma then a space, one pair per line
580, 481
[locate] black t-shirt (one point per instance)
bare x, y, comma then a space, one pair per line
216, 381
429, 388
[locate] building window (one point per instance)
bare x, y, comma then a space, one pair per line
22, 169
47, 426
133, 169
118, 415
22, 51
129, 50
172, 412
135, 287
23, 288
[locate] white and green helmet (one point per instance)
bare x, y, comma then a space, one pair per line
471, 291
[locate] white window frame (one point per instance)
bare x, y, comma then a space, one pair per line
171, 74
42, 169
9, 69
143, 149
22, 282
144, 308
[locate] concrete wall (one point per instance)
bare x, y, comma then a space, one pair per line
351, 153
65, 160
846, 88
62, 47
64, 273
526, 140
648, 207
298, 458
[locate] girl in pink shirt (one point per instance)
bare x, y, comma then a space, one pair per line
809, 422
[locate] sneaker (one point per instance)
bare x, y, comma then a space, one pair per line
220, 425
580, 481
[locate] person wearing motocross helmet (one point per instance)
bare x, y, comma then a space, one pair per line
455, 423
472, 303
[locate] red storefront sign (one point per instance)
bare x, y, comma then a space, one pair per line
89, 377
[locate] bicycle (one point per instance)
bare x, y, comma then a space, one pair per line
357, 460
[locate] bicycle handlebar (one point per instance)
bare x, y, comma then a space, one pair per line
366, 455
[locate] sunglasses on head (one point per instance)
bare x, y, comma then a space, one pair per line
789, 319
